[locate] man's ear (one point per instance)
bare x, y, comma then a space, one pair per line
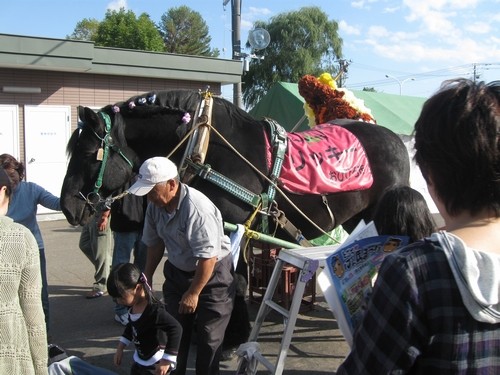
172, 184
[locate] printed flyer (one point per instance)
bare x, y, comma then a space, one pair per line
350, 273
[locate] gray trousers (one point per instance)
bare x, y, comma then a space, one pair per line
210, 319
97, 246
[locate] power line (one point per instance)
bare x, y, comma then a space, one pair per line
466, 70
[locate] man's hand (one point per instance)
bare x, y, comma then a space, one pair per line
204, 271
103, 221
188, 303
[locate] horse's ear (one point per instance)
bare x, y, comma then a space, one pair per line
87, 115
81, 113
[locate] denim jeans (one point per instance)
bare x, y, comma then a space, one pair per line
127, 244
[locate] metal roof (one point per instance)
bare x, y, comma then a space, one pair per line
28, 52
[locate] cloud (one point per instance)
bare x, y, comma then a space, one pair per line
117, 5
478, 28
358, 4
391, 9
423, 6
348, 29
363, 4
252, 14
441, 31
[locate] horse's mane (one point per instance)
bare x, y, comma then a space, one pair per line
73, 140
146, 105
180, 101
154, 102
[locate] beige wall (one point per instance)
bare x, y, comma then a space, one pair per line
74, 89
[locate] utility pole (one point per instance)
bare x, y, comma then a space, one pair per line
236, 40
343, 67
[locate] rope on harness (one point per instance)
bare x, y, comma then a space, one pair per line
275, 186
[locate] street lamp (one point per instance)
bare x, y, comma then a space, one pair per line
401, 83
257, 38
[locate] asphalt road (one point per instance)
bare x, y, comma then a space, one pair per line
86, 328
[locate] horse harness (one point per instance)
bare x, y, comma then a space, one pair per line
193, 164
102, 156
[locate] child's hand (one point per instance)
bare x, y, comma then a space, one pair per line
118, 357
162, 367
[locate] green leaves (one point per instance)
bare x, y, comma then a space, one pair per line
123, 29
302, 42
181, 30
185, 32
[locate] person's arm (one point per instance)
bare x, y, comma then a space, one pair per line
204, 271
125, 340
31, 305
47, 199
103, 221
153, 258
170, 342
162, 367
119, 354
392, 333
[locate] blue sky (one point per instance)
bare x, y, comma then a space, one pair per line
419, 43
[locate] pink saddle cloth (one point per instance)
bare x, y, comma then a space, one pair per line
326, 159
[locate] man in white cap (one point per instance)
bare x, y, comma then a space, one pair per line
199, 285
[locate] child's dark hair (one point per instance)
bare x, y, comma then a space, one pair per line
126, 276
403, 211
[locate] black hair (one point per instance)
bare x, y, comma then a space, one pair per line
457, 145
403, 211
126, 276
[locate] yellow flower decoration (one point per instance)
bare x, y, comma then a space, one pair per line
327, 79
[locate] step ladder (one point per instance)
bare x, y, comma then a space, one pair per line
307, 260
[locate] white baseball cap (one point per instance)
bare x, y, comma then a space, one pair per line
151, 172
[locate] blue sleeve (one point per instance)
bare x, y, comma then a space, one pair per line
46, 198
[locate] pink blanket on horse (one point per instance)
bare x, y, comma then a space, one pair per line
326, 159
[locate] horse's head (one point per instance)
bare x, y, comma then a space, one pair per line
100, 164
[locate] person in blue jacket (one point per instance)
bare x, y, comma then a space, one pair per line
24, 201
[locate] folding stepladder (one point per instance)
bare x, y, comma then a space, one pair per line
307, 260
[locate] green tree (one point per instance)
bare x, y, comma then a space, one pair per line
85, 29
123, 30
302, 42
185, 32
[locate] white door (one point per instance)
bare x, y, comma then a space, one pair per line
9, 130
47, 131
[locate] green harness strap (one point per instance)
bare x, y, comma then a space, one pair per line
278, 140
107, 122
106, 141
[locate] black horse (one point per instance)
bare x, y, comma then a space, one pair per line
110, 145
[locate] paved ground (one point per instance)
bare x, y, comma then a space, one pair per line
86, 329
